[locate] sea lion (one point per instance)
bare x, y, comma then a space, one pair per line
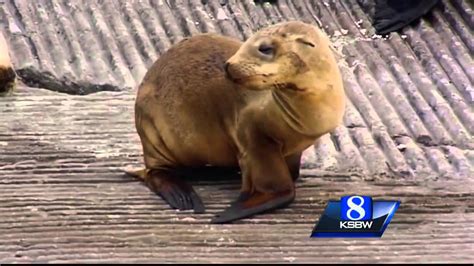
211, 100
7, 74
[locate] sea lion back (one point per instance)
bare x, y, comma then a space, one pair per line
185, 98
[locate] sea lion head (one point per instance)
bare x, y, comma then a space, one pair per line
280, 57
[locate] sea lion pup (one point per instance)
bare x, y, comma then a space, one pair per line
7, 74
211, 100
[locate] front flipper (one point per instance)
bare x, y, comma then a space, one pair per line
248, 205
267, 183
177, 193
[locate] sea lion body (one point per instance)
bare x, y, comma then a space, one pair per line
202, 134
212, 100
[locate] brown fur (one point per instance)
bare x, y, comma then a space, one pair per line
260, 114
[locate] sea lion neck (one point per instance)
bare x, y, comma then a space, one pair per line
303, 109
293, 104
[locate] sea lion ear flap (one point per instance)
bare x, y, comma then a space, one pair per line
305, 41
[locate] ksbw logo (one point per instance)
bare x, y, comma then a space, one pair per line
355, 216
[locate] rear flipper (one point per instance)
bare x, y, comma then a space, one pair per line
177, 193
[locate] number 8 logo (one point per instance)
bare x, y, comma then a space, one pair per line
355, 207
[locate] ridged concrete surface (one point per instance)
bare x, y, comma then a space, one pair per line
407, 135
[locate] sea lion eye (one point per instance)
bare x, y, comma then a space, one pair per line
266, 49
305, 42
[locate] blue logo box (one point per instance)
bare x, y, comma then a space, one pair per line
355, 216
356, 208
